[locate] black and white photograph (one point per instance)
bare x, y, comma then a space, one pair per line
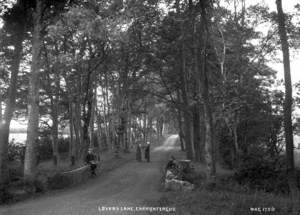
149, 107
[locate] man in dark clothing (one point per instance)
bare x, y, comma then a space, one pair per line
139, 152
147, 152
171, 164
91, 160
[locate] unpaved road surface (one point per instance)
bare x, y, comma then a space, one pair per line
131, 185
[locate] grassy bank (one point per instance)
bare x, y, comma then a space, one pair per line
228, 197
225, 202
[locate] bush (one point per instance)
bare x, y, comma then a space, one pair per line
5, 196
63, 145
45, 151
63, 180
16, 151
41, 183
261, 174
226, 146
15, 172
59, 181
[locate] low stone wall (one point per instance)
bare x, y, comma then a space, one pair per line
69, 178
46, 181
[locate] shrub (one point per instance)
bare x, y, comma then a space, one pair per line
16, 151
226, 148
5, 196
63, 145
15, 172
261, 174
63, 180
45, 150
41, 183
58, 181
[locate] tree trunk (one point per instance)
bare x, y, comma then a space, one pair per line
93, 115
209, 144
106, 122
197, 129
1, 115
54, 115
86, 124
236, 144
129, 133
144, 117
202, 135
185, 98
210, 148
72, 146
10, 104
159, 126
55, 134
87, 110
125, 133
33, 97
181, 133
76, 120
288, 128
188, 129
149, 128
77, 127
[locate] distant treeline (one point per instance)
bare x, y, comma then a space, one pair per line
24, 131
18, 130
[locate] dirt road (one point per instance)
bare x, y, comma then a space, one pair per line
131, 185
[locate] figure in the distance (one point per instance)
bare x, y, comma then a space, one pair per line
147, 152
139, 152
92, 161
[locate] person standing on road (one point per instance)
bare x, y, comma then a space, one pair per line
139, 152
147, 152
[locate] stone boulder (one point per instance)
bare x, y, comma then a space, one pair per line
178, 185
174, 175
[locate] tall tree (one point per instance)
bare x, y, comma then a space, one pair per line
288, 127
33, 96
210, 148
15, 22
45, 12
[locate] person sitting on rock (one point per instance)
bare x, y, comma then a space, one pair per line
171, 164
91, 160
